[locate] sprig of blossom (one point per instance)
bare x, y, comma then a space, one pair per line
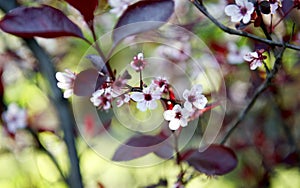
242, 10
66, 81
14, 118
159, 89
255, 58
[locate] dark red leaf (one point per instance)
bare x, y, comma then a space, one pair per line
215, 160
148, 15
86, 8
137, 147
45, 21
86, 82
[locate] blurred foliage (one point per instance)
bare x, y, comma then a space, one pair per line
261, 143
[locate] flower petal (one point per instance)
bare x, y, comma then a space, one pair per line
174, 124
169, 115
142, 106
137, 96
188, 106
68, 93
246, 18
231, 10
186, 94
152, 104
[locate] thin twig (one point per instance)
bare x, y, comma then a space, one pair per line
228, 30
62, 106
234, 124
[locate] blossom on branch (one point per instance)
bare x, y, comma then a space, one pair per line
138, 63
241, 11
102, 98
15, 118
66, 81
177, 116
146, 99
162, 83
255, 58
194, 98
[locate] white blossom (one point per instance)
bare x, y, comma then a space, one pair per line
177, 116
194, 98
146, 99
242, 10
15, 118
66, 81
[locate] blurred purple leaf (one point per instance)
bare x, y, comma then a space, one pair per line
86, 82
143, 12
44, 21
137, 147
98, 62
215, 160
86, 8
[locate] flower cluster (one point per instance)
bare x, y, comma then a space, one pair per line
146, 97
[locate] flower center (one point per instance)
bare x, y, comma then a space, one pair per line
243, 11
191, 98
139, 63
178, 115
148, 97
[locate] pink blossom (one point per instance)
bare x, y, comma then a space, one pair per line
138, 63
255, 58
102, 98
66, 81
241, 11
162, 83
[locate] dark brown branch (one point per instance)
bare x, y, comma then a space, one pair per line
228, 30
62, 106
234, 124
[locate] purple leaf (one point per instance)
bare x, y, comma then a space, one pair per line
137, 147
86, 8
149, 15
215, 160
86, 82
45, 21
98, 62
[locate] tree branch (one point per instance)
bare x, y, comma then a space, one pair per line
62, 106
234, 124
228, 30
